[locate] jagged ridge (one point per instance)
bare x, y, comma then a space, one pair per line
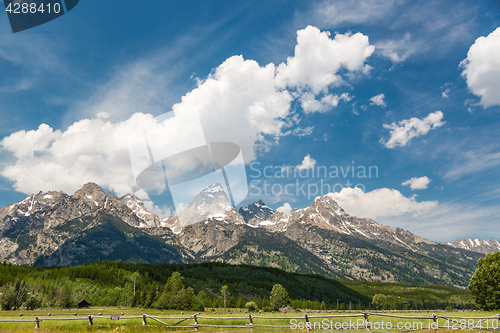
55, 228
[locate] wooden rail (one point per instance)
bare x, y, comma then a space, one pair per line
306, 321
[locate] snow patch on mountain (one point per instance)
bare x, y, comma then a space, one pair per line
477, 245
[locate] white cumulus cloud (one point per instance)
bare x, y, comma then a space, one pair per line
89, 150
307, 163
481, 68
310, 104
405, 130
381, 202
285, 209
378, 100
240, 102
429, 219
417, 183
318, 59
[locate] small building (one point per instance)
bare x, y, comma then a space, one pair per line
83, 304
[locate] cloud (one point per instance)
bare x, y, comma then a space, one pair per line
378, 100
31, 60
445, 89
381, 202
240, 102
429, 219
474, 162
150, 84
245, 103
481, 68
143, 86
449, 221
300, 132
397, 50
415, 183
310, 104
307, 163
155, 209
311, 68
430, 28
89, 150
150, 206
285, 209
39, 53
334, 14
405, 130
24, 144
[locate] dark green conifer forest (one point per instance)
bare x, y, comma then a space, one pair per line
171, 286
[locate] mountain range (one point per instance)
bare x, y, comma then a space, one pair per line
56, 229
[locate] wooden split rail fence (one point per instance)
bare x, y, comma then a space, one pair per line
301, 322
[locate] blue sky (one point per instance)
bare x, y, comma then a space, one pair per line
407, 88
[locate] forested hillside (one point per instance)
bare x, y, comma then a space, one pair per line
198, 286
112, 284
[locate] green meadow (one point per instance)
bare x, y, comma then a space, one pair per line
408, 296
381, 323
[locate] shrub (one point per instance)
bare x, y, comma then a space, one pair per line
251, 306
13, 295
33, 303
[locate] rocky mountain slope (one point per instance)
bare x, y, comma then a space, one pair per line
54, 228
45, 223
107, 238
477, 245
210, 203
257, 213
346, 246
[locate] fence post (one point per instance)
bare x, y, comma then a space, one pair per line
37, 325
307, 321
436, 325
250, 318
367, 322
90, 320
195, 322
143, 320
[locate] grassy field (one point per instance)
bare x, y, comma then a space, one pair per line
409, 291
380, 323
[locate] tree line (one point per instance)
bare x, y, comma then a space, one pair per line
165, 286
210, 285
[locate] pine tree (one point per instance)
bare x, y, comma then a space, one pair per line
167, 299
66, 297
184, 298
199, 301
240, 303
150, 299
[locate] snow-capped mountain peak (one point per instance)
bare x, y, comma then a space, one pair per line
477, 245
256, 213
211, 203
